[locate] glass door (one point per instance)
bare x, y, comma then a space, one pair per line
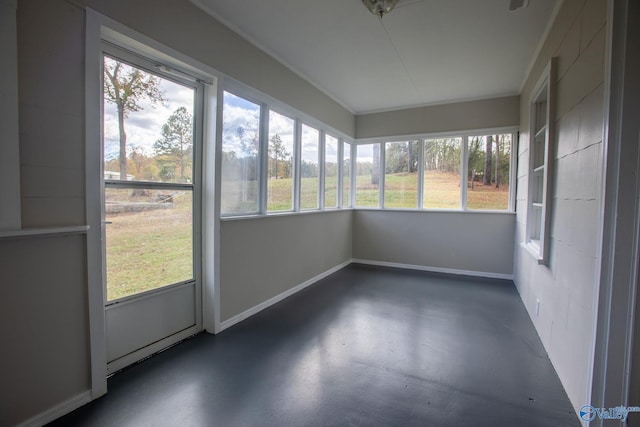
151, 146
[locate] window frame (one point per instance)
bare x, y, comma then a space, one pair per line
335, 204
294, 167
165, 71
512, 168
320, 174
268, 104
464, 159
539, 211
263, 123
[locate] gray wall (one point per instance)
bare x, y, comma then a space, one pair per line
264, 257
43, 325
51, 110
566, 289
477, 242
483, 114
9, 133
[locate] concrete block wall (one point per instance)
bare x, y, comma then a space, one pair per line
567, 288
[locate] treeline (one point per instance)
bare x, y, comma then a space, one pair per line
172, 156
247, 167
489, 158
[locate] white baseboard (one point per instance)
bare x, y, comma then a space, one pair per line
455, 271
268, 303
58, 411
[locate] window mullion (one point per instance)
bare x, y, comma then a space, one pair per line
296, 164
340, 172
381, 172
420, 174
352, 175
263, 152
321, 171
464, 172
513, 169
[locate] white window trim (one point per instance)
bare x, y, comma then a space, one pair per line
267, 104
546, 86
513, 130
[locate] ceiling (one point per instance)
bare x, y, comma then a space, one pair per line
424, 52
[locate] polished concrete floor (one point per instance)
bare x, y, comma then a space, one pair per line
366, 346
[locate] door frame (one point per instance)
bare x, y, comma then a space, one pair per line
100, 28
612, 380
146, 298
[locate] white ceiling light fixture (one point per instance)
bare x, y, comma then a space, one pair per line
380, 7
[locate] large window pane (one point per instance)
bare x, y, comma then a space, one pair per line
280, 173
401, 174
310, 151
148, 239
488, 173
346, 175
368, 175
442, 165
149, 136
330, 171
240, 163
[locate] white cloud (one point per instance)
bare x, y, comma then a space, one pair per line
144, 127
309, 140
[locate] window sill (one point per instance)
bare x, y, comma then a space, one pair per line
533, 249
228, 218
243, 217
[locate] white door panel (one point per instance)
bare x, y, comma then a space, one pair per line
140, 322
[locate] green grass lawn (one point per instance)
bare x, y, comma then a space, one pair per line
153, 248
148, 249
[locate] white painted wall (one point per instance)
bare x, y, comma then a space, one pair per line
459, 116
477, 243
568, 287
262, 258
10, 159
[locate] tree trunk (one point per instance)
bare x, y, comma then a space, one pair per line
123, 145
486, 178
